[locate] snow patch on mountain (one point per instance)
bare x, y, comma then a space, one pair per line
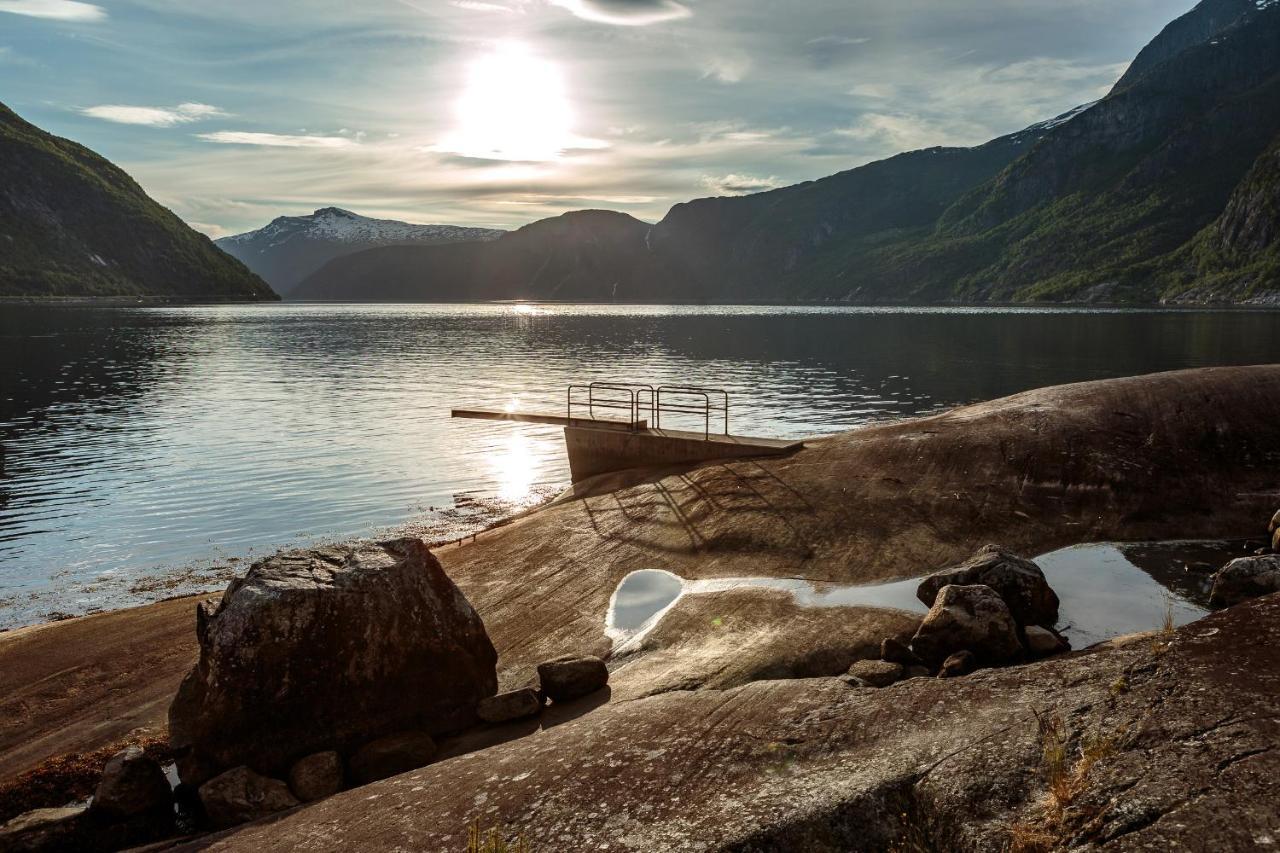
333, 224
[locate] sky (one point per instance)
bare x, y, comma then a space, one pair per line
501, 112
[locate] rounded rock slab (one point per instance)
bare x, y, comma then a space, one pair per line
317, 776
240, 795
391, 756
968, 618
1019, 582
512, 705
132, 784
877, 673
572, 677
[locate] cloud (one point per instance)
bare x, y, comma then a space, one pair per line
276, 140
727, 68
210, 230
153, 116
480, 6
740, 184
825, 51
58, 10
626, 13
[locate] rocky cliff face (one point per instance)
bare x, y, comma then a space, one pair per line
73, 224
1198, 26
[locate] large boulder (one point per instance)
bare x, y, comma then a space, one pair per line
1019, 582
316, 776
391, 756
240, 795
327, 649
572, 677
47, 830
132, 784
512, 705
1245, 578
972, 618
1274, 529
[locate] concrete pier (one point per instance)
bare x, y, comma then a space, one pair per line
603, 445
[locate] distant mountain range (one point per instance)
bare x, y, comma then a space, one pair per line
290, 248
74, 225
1164, 190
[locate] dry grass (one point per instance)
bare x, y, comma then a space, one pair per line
491, 841
1066, 774
1163, 638
68, 778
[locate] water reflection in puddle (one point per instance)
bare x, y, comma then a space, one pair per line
1106, 590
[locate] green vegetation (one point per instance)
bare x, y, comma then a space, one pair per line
74, 225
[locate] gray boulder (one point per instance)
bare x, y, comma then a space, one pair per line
572, 677
512, 705
132, 784
391, 756
972, 618
327, 649
316, 776
1245, 578
877, 673
1018, 582
240, 795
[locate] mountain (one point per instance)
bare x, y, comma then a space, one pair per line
1164, 190
585, 255
292, 247
73, 224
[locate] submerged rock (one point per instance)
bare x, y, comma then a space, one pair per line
972, 618
1019, 582
132, 784
316, 776
391, 756
512, 705
877, 673
1245, 578
572, 677
327, 649
240, 795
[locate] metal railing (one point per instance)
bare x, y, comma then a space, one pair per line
641, 399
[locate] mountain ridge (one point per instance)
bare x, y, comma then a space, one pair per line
73, 224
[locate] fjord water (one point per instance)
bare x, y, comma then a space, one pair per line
148, 451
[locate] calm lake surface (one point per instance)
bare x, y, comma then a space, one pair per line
151, 451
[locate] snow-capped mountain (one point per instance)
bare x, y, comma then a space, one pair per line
290, 248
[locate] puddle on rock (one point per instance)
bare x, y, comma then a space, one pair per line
1106, 590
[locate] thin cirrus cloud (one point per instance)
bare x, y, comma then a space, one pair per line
277, 140
58, 10
153, 116
626, 13
732, 184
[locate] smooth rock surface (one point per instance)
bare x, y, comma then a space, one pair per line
132, 784
968, 618
392, 755
877, 673
240, 795
1019, 582
815, 766
512, 705
572, 677
1245, 578
317, 776
327, 649
45, 831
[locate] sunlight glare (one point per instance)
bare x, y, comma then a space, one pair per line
514, 106
514, 467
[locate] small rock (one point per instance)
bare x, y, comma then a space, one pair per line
572, 677
896, 651
1245, 578
391, 756
132, 784
958, 664
317, 776
512, 705
917, 672
1042, 642
44, 830
1018, 582
877, 673
240, 795
972, 618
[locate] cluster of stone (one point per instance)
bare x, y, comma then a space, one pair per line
995, 608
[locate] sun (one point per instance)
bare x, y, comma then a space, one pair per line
514, 106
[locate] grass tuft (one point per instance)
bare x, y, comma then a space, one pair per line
492, 841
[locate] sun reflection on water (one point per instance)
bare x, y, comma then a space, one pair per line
513, 465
